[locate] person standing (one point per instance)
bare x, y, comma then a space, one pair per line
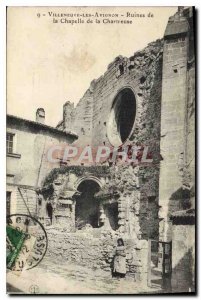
119, 267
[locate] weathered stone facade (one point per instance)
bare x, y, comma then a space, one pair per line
183, 248
177, 118
145, 100
96, 250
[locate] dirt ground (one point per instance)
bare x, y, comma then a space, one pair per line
54, 278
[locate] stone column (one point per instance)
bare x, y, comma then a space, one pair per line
173, 110
122, 214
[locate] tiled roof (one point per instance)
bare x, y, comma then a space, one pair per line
40, 126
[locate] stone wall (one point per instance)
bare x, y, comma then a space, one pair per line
173, 117
183, 258
139, 74
177, 119
189, 175
83, 114
95, 250
136, 215
161, 78
133, 187
142, 74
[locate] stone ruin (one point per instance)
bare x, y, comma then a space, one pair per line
86, 208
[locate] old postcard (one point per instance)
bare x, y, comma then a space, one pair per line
100, 150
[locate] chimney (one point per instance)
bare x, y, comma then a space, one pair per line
40, 115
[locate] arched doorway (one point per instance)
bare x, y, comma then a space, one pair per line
122, 117
87, 206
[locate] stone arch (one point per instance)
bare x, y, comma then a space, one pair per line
88, 177
87, 208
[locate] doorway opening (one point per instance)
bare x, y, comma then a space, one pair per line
112, 215
87, 206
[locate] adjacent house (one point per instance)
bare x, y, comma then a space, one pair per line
27, 143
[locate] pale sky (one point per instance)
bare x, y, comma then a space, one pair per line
48, 64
